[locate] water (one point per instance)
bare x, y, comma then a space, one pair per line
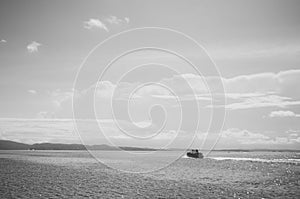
65, 174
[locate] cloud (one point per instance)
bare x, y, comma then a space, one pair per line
95, 23
59, 97
283, 114
235, 138
262, 101
63, 131
3, 41
32, 91
274, 89
38, 130
243, 91
250, 102
105, 22
116, 21
33, 47
58, 103
105, 89
45, 115
127, 19
187, 84
187, 87
243, 135
283, 82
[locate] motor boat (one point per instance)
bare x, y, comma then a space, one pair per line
195, 154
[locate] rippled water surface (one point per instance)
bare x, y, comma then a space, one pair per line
76, 174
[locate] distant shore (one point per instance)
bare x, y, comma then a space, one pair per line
11, 145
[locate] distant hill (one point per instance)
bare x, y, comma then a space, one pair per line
10, 145
50, 146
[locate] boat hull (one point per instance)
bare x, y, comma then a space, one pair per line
194, 155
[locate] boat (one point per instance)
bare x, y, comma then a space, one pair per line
195, 154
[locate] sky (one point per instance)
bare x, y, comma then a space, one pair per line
151, 97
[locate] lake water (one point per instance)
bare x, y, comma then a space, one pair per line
76, 174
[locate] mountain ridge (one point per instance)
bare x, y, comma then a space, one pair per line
11, 145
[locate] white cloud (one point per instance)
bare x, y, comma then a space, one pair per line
62, 131
105, 89
33, 47
283, 82
104, 23
277, 141
116, 21
32, 91
247, 138
152, 90
38, 130
59, 97
273, 89
45, 115
3, 41
127, 19
242, 135
283, 114
262, 101
244, 91
95, 23
293, 132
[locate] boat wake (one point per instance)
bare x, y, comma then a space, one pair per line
187, 157
294, 161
